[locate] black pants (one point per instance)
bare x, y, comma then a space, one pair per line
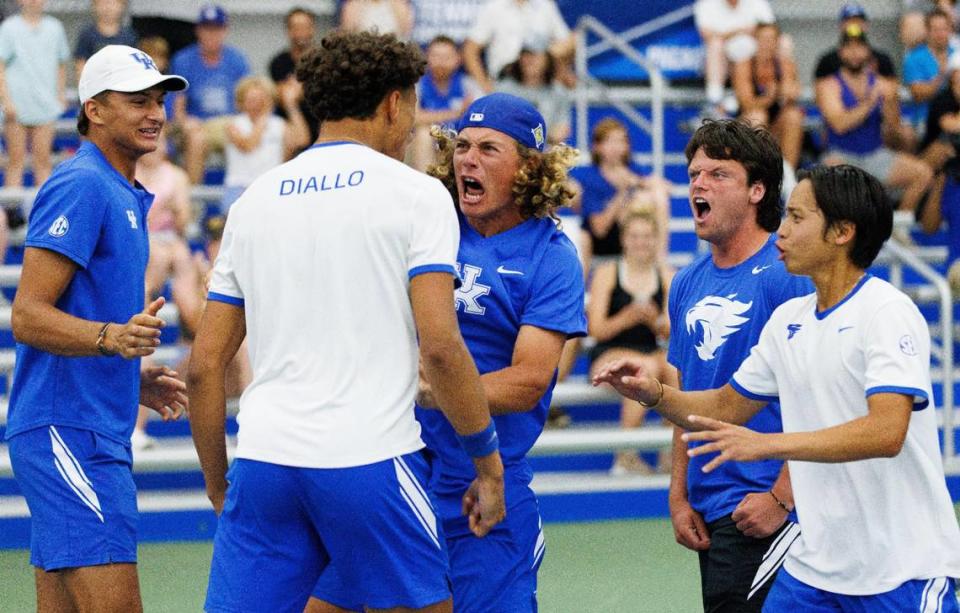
734, 576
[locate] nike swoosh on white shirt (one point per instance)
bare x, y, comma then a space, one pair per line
504, 271
759, 269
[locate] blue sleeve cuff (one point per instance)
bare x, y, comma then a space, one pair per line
224, 298
419, 270
752, 396
921, 403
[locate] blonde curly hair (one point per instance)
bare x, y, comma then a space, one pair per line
540, 186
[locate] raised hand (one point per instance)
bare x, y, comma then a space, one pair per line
729, 442
628, 377
139, 337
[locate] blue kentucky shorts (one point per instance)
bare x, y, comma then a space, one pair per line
79, 488
493, 574
282, 526
923, 595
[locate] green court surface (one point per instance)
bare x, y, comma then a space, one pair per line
627, 566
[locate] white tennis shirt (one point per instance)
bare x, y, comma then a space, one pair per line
867, 526
320, 252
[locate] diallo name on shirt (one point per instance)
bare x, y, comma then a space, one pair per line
323, 183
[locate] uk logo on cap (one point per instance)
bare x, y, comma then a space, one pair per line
538, 135
476, 116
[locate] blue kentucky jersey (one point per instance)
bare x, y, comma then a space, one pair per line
89, 213
527, 276
716, 316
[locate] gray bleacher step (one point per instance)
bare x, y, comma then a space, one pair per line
147, 502
159, 501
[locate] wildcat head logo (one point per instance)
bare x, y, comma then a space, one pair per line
712, 320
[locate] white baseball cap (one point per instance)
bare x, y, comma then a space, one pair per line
121, 68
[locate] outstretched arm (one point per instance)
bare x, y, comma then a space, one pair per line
878, 434
628, 377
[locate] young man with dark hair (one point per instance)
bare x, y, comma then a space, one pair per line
335, 265
850, 365
717, 306
77, 382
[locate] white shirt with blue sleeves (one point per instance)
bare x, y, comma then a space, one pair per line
320, 252
871, 525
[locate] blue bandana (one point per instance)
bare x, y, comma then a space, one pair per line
511, 115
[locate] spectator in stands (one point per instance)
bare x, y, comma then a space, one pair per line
33, 78
452, 18
257, 139
626, 314
301, 33
384, 16
860, 108
925, 66
853, 14
606, 187
913, 29
533, 76
213, 69
726, 27
504, 27
767, 89
158, 48
167, 221
443, 93
941, 145
108, 28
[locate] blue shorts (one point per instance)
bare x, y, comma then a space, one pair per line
498, 573
493, 574
83, 504
282, 526
922, 595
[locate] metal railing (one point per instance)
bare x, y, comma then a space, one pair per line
588, 88
903, 256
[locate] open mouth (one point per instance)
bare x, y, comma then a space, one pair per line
153, 132
472, 190
701, 208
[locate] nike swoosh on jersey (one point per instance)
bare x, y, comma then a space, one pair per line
845, 328
505, 271
759, 269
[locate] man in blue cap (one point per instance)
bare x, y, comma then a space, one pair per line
213, 69
521, 298
853, 13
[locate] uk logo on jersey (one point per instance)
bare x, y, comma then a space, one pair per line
133, 219
713, 320
470, 292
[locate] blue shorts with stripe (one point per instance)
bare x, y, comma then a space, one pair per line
282, 526
493, 574
921, 595
79, 488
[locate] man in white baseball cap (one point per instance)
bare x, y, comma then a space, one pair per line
123, 69
81, 330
